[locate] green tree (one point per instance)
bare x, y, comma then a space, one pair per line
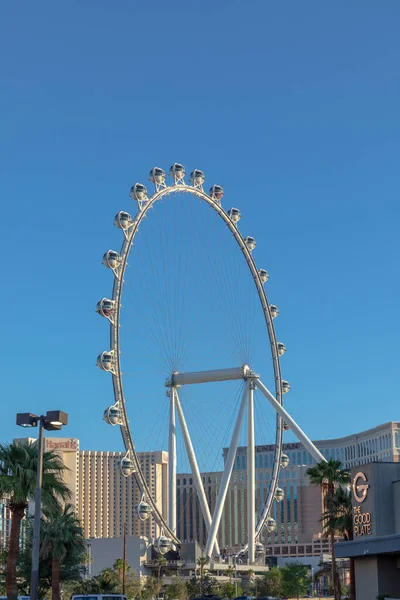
200, 587
338, 519
61, 535
227, 590
295, 579
18, 465
329, 475
271, 583
177, 589
72, 568
151, 588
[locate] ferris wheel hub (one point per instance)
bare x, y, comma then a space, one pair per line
178, 379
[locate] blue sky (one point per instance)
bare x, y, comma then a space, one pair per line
292, 106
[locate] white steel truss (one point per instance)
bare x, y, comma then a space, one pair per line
195, 472
212, 524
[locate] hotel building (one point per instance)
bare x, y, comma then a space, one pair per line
107, 499
298, 530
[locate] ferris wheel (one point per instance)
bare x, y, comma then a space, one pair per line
164, 272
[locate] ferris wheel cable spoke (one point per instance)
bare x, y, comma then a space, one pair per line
160, 298
157, 323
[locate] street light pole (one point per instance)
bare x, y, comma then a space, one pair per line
52, 421
38, 514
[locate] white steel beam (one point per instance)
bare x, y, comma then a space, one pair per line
299, 433
251, 497
178, 379
212, 535
195, 470
172, 464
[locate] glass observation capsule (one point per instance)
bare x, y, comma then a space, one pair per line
105, 361
177, 171
105, 307
113, 415
285, 386
259, 549
279, 494
163, 544
138, 192
234, 214
143, 510
271, 524
250, 243
281, 348
126, 466
197, 177
216, 192
111, 259
274, 310
264, 276
157, 176
123, 220
284, 461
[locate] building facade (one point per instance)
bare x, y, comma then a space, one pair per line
107, 499
298, 531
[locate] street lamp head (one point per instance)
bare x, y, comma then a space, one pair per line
56, 418
27, 420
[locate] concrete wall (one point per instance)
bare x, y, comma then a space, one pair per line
366, 578
105, 551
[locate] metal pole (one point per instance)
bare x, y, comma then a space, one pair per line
90, 561
230, 459
172, 464
38, 513
299, 433
195, 471
124, 565
251, 525
236, 585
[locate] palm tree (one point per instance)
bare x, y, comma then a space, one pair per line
201, 563
329, 475
119, 566
230, 572
18, 464
339, 518
161, 561
62, 535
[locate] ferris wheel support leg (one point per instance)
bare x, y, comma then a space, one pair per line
250, 474
172, 464
195, 470
230, 459
299, 433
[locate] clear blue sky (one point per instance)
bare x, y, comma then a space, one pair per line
292, 106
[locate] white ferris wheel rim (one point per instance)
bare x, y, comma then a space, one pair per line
162, 191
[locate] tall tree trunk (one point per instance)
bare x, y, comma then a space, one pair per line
352, 580
335, 575
13, 550
55, 579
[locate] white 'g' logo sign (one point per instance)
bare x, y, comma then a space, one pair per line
360, 487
